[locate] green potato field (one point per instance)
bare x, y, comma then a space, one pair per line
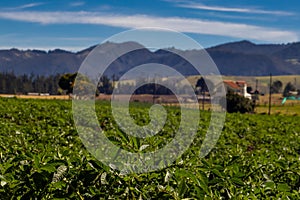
42, 156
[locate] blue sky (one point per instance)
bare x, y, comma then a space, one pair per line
75, 25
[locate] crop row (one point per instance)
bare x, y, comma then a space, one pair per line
42, 156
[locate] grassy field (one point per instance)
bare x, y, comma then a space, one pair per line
280, 110
42, 156
290, 107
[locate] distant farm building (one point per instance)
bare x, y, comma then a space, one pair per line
239, 87
37, 94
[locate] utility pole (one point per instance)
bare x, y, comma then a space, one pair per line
154, 92
203, 96
256, 84
270, 94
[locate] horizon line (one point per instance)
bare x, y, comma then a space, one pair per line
78, 49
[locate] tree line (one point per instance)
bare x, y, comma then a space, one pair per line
288, 90
24, 84
63, 84
107, 86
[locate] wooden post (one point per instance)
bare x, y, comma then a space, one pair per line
256, 84
154, 92
270, 94
203, 95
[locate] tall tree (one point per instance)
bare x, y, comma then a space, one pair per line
23, 84
66, 82
276, 86
289, 87
249, 89
203, 85
105, 85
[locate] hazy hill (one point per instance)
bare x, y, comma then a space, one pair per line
241, 58
246, 47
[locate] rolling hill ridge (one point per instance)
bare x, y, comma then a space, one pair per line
241, 58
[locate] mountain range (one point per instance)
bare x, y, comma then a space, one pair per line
241, 58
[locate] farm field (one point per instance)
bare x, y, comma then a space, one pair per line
279, 110
42, 156
290, 107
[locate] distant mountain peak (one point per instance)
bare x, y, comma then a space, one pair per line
244, 42
58, 51
234, 44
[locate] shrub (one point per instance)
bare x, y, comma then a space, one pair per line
238, 103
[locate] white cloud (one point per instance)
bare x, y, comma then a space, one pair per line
30, 5
186, 25
233, 9
76, 4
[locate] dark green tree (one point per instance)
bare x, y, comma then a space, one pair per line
249, 89
105, 85
237, 103
66, 82
289, 87
24, 84
276, 86
203, 85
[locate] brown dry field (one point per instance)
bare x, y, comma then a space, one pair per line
137, 98
62, 97
289, 108
276, 99
144, 98
166, 99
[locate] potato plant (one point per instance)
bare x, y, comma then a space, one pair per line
42, 157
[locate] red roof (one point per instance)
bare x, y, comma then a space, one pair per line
235, 84
242, 83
